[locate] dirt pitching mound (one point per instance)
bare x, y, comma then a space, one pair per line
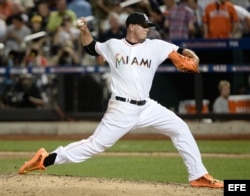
40, 185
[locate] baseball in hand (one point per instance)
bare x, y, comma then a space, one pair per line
79, 23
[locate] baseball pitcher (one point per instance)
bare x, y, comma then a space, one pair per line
133, 62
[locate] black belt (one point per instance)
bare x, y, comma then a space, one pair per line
142, 102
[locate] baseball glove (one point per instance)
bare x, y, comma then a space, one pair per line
183, 63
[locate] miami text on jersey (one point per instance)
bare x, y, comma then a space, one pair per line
124, 60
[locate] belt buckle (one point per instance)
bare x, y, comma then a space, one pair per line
142, 102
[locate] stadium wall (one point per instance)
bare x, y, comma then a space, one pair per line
204, 129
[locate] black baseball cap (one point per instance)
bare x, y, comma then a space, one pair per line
139, 18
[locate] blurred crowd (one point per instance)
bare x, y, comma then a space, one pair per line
42, 33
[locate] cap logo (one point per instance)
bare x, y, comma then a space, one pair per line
146, 18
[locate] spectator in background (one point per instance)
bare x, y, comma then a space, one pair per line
180, 21
36, 27
13, 58
101, 9
56, 17
243, 29
9, 8
34, 57
66, 56
115, 8
203, 3
7, 82
26, 5
6, 9
65, 33
220, 104
198, 12
116, 30
159, 19
122, 12
39, 20
220, 20
59, 26
16, 33
23, 93
30, 95
169, 4
154, 33
82, 8
42, 9
36, 24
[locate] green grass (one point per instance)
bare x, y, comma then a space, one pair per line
143, 168
214, 146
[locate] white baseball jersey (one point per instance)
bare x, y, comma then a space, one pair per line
133, 66
132, 70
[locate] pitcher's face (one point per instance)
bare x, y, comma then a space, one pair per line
140, 32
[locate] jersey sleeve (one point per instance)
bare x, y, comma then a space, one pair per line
102, 48
163, 49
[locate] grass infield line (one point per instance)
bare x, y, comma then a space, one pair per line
14, 155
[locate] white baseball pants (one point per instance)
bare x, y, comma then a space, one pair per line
120, 118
